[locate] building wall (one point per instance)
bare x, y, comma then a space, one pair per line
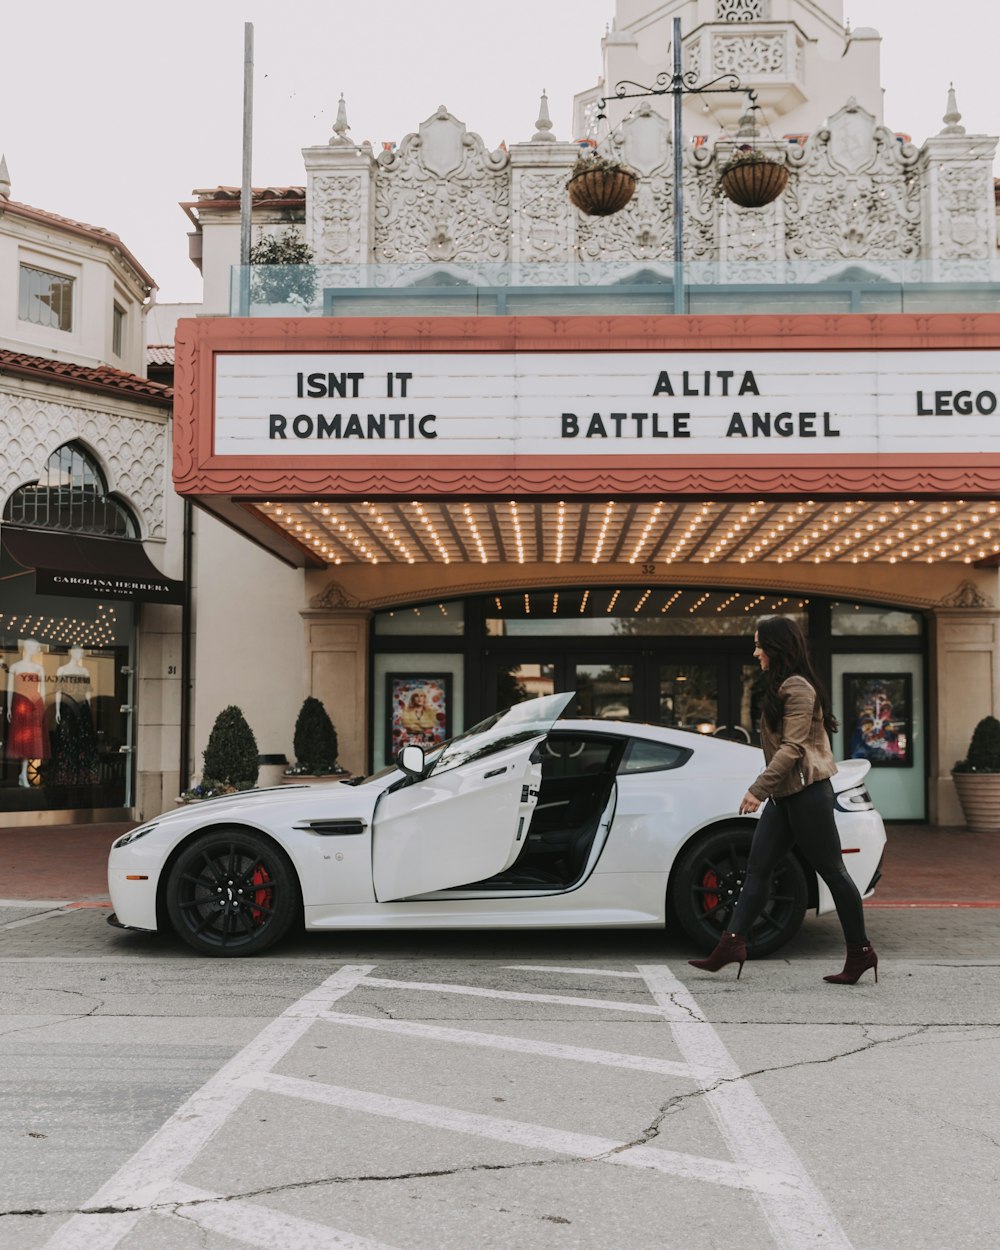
249, 641
859, 198
101, 279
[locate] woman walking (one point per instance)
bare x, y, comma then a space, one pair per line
794, 730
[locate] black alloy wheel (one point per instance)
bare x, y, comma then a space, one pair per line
232, 892
707, 882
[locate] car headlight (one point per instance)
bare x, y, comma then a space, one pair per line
132, 835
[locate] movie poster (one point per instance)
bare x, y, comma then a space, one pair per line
878, 712
418, 711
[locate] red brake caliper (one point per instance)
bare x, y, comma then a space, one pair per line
262, 895
710, 881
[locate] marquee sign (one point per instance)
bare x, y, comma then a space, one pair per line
538, 406
351, 406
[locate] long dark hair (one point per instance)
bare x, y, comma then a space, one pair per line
787, 651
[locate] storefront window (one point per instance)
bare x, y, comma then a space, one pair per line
64, 671
438, 619
856, 619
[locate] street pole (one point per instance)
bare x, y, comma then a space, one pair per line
677, 88
246, 188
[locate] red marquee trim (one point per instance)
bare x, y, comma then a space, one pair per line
197, 471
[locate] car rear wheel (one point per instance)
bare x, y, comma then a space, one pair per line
708, 881
232, 892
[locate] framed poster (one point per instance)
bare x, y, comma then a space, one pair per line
878, 712
418, 711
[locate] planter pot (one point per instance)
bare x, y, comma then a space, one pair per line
601, 192
752, 184
979, 794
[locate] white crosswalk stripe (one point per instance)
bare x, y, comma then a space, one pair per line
762, 1161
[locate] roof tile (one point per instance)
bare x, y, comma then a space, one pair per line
97, 376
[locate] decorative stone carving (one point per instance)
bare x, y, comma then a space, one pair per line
646, 140
966, 595
442, 197
854, 193
749, 56
960, 210
543, 223
132, 453
333, 596
335, 209
741, 10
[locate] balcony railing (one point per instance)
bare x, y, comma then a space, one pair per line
618, 287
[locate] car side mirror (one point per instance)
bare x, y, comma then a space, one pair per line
411, 761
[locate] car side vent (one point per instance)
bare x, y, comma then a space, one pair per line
334, 828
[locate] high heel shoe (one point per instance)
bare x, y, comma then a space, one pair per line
732, 947
859, 960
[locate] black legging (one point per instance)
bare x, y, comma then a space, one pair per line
805, 819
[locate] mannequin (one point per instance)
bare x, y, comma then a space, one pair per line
73, 680
27, 739
74, 743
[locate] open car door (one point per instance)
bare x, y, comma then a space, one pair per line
467, 818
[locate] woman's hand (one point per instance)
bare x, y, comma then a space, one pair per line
749, 803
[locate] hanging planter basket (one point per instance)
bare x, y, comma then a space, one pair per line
752, 182
601, 189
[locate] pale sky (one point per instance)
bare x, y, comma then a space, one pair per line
112, 112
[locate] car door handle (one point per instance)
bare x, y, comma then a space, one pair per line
495, 772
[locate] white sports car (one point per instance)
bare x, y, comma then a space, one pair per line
524, 821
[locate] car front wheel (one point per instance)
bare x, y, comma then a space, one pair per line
232, 892
708, 881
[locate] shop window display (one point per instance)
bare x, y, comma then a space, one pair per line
65, 718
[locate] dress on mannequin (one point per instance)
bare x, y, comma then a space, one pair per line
74, 742
27, 738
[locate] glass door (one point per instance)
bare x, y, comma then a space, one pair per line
512, 680
689, 696
605, 690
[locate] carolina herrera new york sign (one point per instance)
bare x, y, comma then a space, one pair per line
605, 403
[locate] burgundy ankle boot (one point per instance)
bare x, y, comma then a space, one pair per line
732, 947
859, 960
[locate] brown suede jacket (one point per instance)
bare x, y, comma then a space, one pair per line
799, 752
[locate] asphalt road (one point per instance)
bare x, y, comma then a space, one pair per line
449, 1092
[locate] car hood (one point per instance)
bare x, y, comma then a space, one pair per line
332, 797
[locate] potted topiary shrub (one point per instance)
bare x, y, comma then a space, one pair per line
230, 758
977, 778
600, 185
751, 178
315, 744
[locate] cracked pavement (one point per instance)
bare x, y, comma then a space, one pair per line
887, 1096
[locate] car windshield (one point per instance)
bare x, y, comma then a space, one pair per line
531, 719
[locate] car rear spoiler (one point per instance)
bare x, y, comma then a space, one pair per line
850, 773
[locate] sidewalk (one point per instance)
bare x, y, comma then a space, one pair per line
923, 866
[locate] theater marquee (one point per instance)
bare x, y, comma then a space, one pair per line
546, 405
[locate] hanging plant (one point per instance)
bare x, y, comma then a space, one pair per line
752, 179
600, 186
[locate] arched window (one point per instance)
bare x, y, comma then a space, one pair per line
72, 496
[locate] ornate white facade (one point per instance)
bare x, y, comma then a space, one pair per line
857, 192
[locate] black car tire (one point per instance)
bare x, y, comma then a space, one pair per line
232, 892
706, 884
